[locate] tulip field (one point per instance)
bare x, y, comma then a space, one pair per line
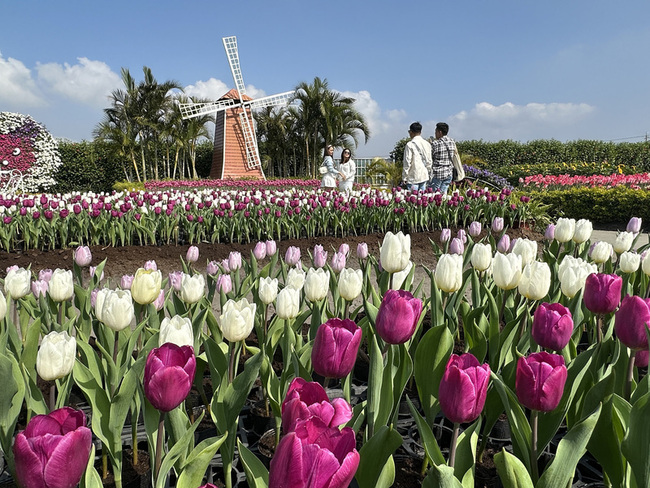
322, 367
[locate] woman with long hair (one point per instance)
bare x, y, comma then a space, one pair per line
348, 171
327, 169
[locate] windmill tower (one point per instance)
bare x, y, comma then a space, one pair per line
235, 144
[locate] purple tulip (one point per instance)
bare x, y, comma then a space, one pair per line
503, 246
540, 381
602, 292
212, 268
224, 283
53, 450
549, 234
362, 250
271, 248
552, 326
475, 229
126, 281
463, 388
398, 316
336, 347
641, 359
497, 224
456, 246
82, 256
445, 235
192, 255
634, 225
259, 251
632, 320
315, 455
234, 260
168, 375
175, 279
338, 262
320, 256
307, 399
292, 256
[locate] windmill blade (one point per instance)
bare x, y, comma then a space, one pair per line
230, 45
252, 153
271, 100
190, 110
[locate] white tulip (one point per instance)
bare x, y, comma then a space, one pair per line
146, 285
56, 356
296, 279
564, 229
601, 252
192, 288
3, 306
317, 284
117, 311
573, 273
350, 283
527, 249
623, 242
395, 252
535, 280
645, 264
629, 262
400, 276
506, 270
481, 258
61, 285
237, 320
287, 304
584, 229
18, 283
177, 330
449, 272
268, 289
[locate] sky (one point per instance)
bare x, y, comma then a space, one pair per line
501, 69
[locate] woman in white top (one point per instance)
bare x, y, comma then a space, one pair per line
348, 171
331, 173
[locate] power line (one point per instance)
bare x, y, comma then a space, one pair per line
628, 138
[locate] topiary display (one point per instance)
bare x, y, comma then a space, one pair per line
28, 147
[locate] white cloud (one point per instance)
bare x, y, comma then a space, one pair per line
17, 88
518, 122
214, 89
88, 82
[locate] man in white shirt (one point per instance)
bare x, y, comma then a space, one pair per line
417, 160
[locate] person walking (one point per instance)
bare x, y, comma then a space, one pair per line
442, 149
417, 160
348, 169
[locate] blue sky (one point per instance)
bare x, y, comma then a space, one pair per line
500, 69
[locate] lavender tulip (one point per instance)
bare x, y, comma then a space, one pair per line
234, 260
634, 225
168, 375
126, 281
445, 235
39, 287
463, 388
82, 256
271, 248
475, 229
192, 255
212, 268
552, 326
320, 256
292, 256
344, 249
175, 280
602, 293
549, 233
362, 250
259, 251
497, 224
540, 380
503, 246
336, 347
224, 283
456, 246
398, 316
338, 262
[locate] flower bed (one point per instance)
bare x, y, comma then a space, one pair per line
639, 181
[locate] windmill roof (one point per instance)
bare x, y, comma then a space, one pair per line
234, 94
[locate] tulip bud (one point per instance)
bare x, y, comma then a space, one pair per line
146, 286
549, 234
475, 229
292, 256
39, 287
631, 321
497, 224
351, 283
481, 258
634, 225
259, 251
503, 246
271, 248
82, 256
456, 246
564, 229
296, 279
449, 272
336, 347
177, 330
45, 274
224, 283
192, 288
535, 280
126, 281
463, 388
18, 283
117, 311
237, 320
506, 270
527, 249
552, 326
151, 265
602, 293
56, 355
395, 252
234, 260
317, 284
584, 229
362, 250
168, 375
338, 262
61, 286
398, 316
288, 303
445, 235
629, 262
192, 255
344, 249
159, 302
623, 242
601, 251
53, 450
268, 289
212, 268
540, 380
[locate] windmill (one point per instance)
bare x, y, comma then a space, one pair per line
235, 144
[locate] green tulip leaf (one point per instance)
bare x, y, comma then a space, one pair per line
569, 451
387, 475
375, 380
122, 400
12, 394
374, 455
176, 451
428, 440
441, 476
512, 472
33, 394
637, 438
198, 461
30, 347
257, 475
431, 358
91, 478
466, 454
98, 399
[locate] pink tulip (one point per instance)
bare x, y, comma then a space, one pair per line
552, 326
362, 250
151, 265
398, 316
497, 224
39, 287
540, 381
320, 256
549, 234
224, 283
271, 248
168, 375
336, 347
234, 260
175, 279
462, 235
92, 272
307, 399
159, 302
475, 229
259, 251
126, 281
212, 268
463, 388
44, 274
445, 235
634, 225
192, 255
53, 450
292, 256
338, 262
315, 455
632, 320
503, 246
82, 256
602, 292
344, 249
456, 246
